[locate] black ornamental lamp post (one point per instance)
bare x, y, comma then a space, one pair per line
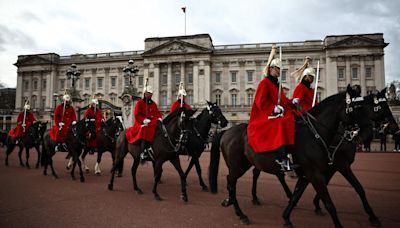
73, 73
130, 71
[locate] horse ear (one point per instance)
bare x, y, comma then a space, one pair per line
209, 103
383, 92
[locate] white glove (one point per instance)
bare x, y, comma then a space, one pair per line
159, 119
296, 100
278, 109
24, 125
61, 124
73, 122
146, 121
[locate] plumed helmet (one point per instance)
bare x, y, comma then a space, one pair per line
95, 101
309, 71
276, 63
66, 97
182, 92
148, 89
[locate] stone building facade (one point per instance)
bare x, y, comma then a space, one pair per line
227, 74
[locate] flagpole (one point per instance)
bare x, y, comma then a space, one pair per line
184, 12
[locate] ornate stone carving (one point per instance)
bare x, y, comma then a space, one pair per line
177, 48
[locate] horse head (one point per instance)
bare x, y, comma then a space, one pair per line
380, 111
90, 127
217, 117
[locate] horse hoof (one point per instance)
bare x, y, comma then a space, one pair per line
319, 212
119, 175
204, 188
73, 178
226, 202
375, 222
82, 179
244, 220
55, 176
28, 167
87, 170
110, 187
288, 225
44, 173
6, 163
98, 173
184, 198
157, 197
139, 191
160, 182
37, 166
22, 165
256, 202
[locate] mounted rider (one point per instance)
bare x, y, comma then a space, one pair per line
64, 116
181, 99
146, 115
303, 92
271, 124
95, 112
24, 120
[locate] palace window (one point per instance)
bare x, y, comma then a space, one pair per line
113, 82
368, 72
354, 73
44, 84
341, 75
164, 79
217, 77
250, 75
233, 76
140, 81
283, 76
234, 99
218, 99
87, 83
62, 84
99, 83
190, 78
177, 78
35, 85
250, 98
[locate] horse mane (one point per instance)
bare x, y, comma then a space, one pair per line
327, 102
172, 115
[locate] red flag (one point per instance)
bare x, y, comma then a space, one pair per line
184, 9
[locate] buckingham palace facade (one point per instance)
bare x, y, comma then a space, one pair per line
227, 74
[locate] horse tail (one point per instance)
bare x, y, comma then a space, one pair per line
44, 157
214, 162
121, 149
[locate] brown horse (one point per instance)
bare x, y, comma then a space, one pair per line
340, 109
164, 147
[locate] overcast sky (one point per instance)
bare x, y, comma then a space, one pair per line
67, 27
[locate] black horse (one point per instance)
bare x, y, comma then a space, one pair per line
379, 108
76, 139
106, 139
164, 147
312, 156
32, 138
3, 138
197, 137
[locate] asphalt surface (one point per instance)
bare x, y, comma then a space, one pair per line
29, 199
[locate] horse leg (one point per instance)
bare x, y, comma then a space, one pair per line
232, 196
82, 178
204, 187
97, 169
352, 179
157, 166
288, 192
191, 163
134, 168
10, 148
74, 161
20, 157
319, 184
84, 164
177, 165
297, 193
52, 167
318, 209
27, 158
70, 162
256, 174
39, 156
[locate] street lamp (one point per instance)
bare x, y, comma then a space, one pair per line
130, 71
73, 73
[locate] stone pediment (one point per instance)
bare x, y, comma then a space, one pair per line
176, 47
32, 60
357, 41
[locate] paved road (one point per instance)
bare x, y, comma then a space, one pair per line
29, 199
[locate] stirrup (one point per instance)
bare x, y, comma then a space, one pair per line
285, 165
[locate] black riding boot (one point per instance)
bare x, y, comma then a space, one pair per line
283, 160
147, 152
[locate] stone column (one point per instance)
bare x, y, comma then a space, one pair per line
196, 83
169, 84
348, 70
330, 77
379, 72
183, 76
362, 76
207, 80
156, 73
